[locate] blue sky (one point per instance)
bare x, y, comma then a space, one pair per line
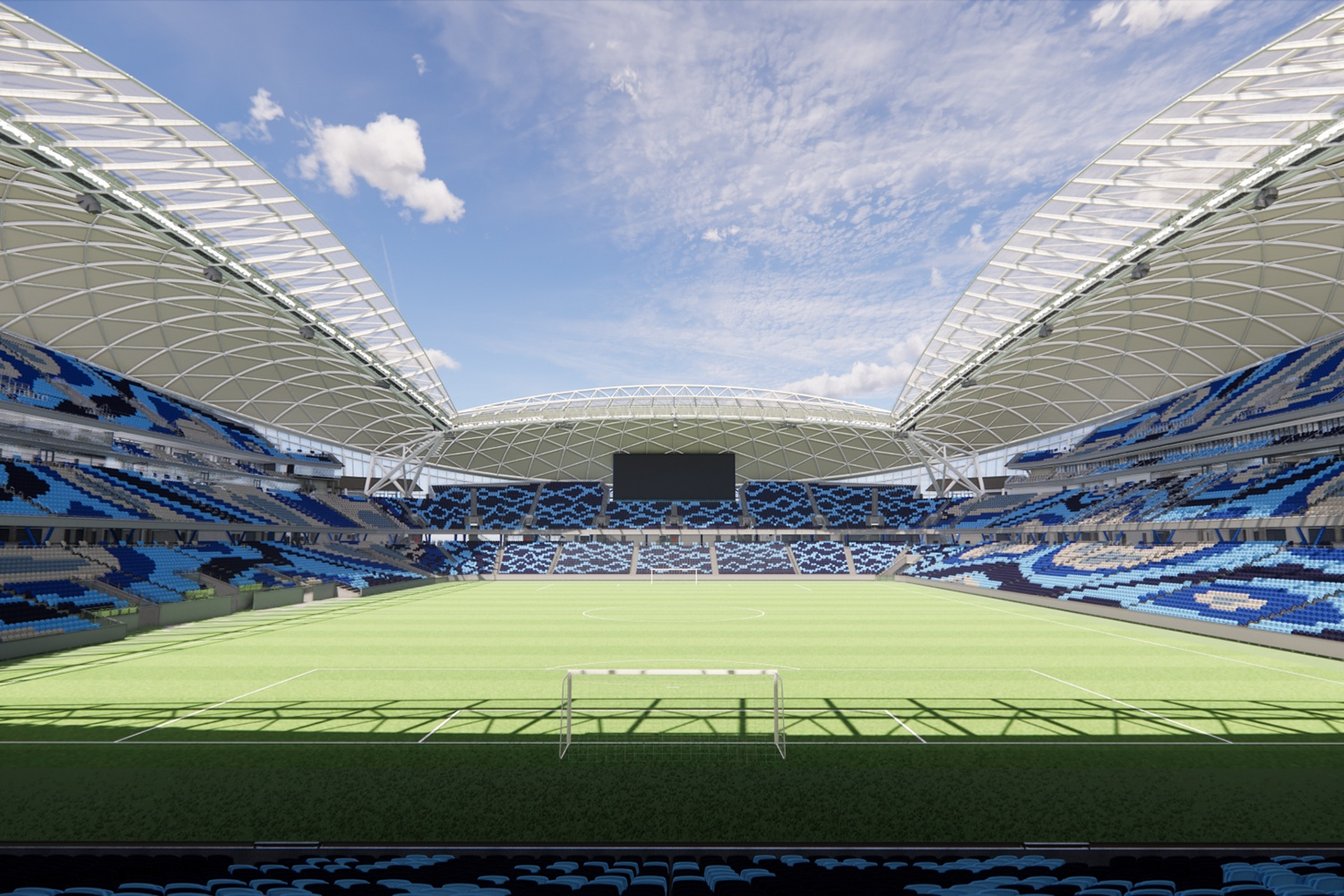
779, 195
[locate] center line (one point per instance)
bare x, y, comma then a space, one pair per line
905, 726
214, 706
435, 729
1132, 706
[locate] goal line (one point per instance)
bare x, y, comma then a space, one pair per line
776, 712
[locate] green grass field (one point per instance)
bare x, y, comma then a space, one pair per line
912, 715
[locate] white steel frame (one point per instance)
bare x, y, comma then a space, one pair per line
567, 697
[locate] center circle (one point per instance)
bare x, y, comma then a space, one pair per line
672, 613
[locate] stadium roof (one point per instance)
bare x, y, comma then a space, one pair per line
775, 435
200, 270
1057, 331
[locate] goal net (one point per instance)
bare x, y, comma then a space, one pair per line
671, 707
672, 572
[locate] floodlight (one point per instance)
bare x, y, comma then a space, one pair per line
1139, 271
1045, 331
1266, 197
213, 274
970, 382
307, 331
90, 203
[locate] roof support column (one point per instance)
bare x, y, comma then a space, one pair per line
402, 471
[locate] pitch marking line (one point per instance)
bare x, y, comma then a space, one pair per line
214, 706
436, 728
905, 726
1132, 706
1217, 656
804, 587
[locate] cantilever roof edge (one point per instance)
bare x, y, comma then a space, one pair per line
133, 144
1223, 138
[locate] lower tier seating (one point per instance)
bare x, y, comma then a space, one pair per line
660, 873
1259, 584
746, 557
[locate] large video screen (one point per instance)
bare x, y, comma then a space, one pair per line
673, 477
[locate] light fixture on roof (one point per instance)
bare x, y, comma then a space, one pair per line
1045, 331
1266, 197
1139, 271
213, 274
90, 203
970, 382
307, 331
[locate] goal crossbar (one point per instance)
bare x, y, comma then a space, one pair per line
567, 696
692, 571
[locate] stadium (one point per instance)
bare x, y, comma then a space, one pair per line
277, 618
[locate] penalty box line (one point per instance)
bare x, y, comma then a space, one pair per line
167, 722
1132, 706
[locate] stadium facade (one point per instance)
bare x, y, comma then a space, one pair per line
206, 399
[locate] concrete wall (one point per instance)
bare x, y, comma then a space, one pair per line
10, 650
277, 597
194, 610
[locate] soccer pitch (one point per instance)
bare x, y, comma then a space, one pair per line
912, 715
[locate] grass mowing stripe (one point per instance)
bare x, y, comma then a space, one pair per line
1218, 656
1132, 706
215, 706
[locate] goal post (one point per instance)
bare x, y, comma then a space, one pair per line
678, 572
775, 714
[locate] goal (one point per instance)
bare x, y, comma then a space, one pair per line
682, 573
708, 704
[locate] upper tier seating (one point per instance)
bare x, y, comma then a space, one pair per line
709, 514
674, 556
746, 557
638, 514
528, 557
446, 508
568, 505
778, 505
1297, 380
314, 509
595, 558
42, 378
504, 506
820, 557
844, 506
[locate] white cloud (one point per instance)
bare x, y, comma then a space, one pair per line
625, 81
1140, 17
868, 378
262, 112
420, 65
872, 157
387, 155
442, 360
718, 235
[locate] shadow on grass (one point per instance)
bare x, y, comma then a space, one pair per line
827, 720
